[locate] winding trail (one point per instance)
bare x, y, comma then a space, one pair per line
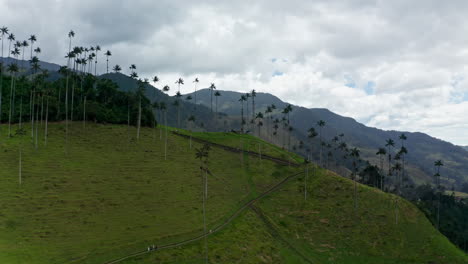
275, 233
214, 230
237, 150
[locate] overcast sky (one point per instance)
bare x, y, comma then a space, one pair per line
389, 64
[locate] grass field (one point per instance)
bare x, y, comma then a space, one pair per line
106, 195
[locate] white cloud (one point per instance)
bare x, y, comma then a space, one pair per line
414, 51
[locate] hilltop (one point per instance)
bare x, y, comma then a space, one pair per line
104, 195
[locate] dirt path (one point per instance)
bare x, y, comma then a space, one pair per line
214, 230
237, 150
275, 233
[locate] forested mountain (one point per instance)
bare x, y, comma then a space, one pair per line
423, 149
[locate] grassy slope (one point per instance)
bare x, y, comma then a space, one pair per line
108, 198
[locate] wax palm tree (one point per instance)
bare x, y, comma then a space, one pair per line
217, 94
3, 31
140, 92
259, 117
163, 107
268, 111
13, 69
37, 51
212, 87
389, 143
97, 48
438, 164
242, 100
108, 54
311, 134
321, 124
355, 155
11, 38
253, 94
177, 104
403, 151
196, 81
117, 68
32, 39
381, 153
179, 82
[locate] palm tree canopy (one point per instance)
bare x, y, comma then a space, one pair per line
321, 123
71, 34
178, 95
166, 88
133, 67
212, 86
355, 152
108, 53
312, 133
390, 143
134, 75
217, 93
196, 80
254, 93
155, 79
403, 136
12, 68
4, 30
188, 98
32, 38
381, 151
11, 37
259, 115
191, 118
438, 163
180, 81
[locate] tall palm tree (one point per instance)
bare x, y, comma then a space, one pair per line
242, 100
177, 104
163, 107
355, 154
381, 153
253, 94
97, 48
24, 44
321, 124
71, 55
32, 39
217, 94
311, 134
3, 31
389, 143
117, 68
13, 69
259, 117
179, 82
196, 81
108, 54
268, 111
212, 87
438, 164
403, 151
140, 93
11, 38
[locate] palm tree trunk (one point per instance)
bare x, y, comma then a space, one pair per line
46, 121
42, 109
31, 103
20, 165
165, 141
21, 111
139, 118
37, 126
11, 104
204, 222
72, 102
84, 112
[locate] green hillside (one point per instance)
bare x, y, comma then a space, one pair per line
105, 195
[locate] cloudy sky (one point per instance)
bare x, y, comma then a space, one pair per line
389, 64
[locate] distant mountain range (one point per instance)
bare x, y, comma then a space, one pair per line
423, 149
